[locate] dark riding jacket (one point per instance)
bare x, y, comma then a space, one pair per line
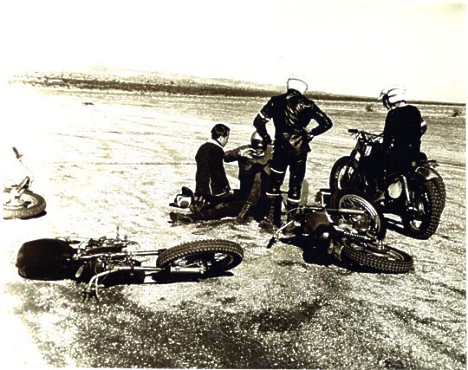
403, 130
211, 177
291, 113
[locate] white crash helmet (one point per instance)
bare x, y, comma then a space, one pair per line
297, 84
392, 95
182, 201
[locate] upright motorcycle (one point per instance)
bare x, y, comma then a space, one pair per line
417, 196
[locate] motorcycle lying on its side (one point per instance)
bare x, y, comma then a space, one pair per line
18, 200
108, 261
416, 196
348, 227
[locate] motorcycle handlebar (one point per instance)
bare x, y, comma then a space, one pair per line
355, 131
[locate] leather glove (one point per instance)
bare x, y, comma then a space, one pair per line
198, 204
267, 139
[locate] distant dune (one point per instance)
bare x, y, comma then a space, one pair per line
130, 80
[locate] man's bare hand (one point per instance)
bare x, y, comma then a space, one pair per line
247, 152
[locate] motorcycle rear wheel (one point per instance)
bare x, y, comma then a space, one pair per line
351, 199
375, 257
429, 204
440, 184
30, 205
216, 255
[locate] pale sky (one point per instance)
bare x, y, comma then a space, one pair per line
351, 47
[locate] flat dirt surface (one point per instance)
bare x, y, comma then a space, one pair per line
119, 162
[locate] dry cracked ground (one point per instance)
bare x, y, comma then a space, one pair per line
120, 161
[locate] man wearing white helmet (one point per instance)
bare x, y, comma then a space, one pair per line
404, 127
291, 113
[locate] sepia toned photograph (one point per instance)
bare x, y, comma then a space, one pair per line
217, 184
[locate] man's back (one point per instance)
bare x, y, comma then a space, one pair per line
210, 177
403, 129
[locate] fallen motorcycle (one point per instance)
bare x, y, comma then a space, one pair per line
416, 196
108, 261
18, 200
348, 227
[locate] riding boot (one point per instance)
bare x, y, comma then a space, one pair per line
267, 223
185, 218
242, 217
290, 218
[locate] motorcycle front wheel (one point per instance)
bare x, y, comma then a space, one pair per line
342, 172
215, 255
28, 205
376, 257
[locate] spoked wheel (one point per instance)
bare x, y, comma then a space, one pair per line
28, 205
215, 255
342, 173
429, 206
371, 222
376, 256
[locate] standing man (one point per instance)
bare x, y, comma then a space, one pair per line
291, 113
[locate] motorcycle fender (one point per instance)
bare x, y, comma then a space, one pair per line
427, 173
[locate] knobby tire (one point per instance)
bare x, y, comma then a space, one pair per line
229, 254
435, 205
388, 259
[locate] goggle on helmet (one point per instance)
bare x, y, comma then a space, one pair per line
392, 95
257, 143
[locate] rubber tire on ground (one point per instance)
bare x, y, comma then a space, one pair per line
36, 207
390, 260
435, 205
338, 166
203, 250
46, 259
339, 196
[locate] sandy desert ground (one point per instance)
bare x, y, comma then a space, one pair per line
120, 161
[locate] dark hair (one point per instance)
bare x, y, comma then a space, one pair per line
219, 130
